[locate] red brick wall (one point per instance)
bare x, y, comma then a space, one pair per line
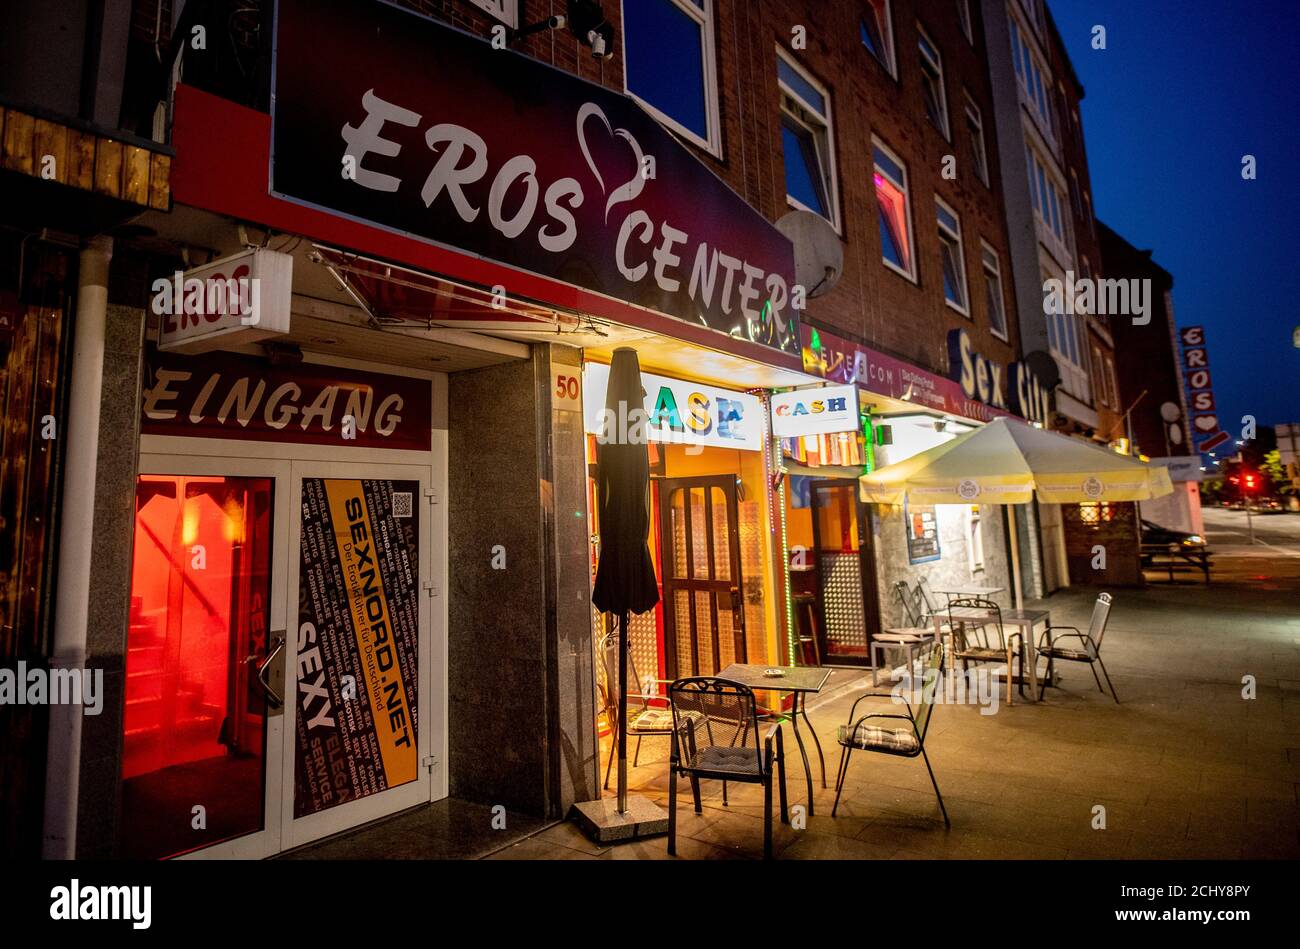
871, 303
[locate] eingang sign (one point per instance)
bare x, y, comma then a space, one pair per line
394, 119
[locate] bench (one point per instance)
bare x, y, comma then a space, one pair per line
1174, 558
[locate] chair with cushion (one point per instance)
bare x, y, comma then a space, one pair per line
644, 719
982, 639
716, 736
874, 733
1089, 646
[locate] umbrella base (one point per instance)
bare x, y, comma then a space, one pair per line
601, 821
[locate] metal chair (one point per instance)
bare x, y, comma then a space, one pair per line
643, 719
903, 742
971, 641
908, 639
1091, 643
716, 735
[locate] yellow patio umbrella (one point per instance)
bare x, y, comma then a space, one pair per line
1007, 462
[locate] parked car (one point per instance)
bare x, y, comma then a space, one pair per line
1155, 534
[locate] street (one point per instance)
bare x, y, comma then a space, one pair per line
1275, 534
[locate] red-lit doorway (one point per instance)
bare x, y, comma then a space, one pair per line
281, 652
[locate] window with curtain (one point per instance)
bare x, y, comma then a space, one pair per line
890, 178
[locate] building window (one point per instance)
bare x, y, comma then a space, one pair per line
1087, 214
1075, 203
1045, 196
1034, 80
1113, 381
1067, 346
877, 29
895, 211
1103, 392
669, 65
807, 140
963, 17
507, 11
936, 102
993, 292
975, 128
950, 252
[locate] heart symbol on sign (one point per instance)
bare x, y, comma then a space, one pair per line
630, 189
1206, 423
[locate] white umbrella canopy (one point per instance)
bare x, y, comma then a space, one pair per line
1007, 462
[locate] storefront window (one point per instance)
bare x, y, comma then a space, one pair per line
194, 724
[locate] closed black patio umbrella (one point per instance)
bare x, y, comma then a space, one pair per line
625, 577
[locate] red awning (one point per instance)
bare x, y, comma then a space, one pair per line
393, 294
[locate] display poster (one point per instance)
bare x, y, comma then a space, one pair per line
358, 635
922, 533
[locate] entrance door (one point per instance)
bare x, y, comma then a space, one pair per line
279, 669
357, 735
844, 559
704, 614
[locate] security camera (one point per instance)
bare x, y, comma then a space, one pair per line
587, 22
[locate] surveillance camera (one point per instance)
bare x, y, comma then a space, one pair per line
941, 425
597, 43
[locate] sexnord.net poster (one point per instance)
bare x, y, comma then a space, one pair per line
358, 634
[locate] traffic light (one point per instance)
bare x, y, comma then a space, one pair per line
1250, 481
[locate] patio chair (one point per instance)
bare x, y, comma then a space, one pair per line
971, 641
907, 741
716, 736
643, 719
1091, 643
908, 639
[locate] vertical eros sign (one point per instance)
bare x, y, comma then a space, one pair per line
1207, 433
358, 638
390, 118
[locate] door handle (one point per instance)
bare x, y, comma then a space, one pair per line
270, 666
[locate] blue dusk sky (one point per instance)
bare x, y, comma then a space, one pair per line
1182, 91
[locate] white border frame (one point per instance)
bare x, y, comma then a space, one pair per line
907, 207
709, 63
833, 185
946, 131
1005, 335
961, 256
508, 14
973, 110
890, 67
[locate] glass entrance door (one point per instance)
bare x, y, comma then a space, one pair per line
280, 659
704, 615
844, 559
361, 660
201, 736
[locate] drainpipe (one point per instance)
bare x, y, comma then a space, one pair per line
77, 521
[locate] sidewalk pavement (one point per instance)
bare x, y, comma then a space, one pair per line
1185, 767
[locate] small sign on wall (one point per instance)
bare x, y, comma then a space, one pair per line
922, 532
237, 299
823, 411
566, 388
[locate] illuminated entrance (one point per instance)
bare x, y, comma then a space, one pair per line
285, 673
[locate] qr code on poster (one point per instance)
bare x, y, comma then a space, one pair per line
401, 504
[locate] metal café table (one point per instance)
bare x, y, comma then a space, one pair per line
985, 592
1023, 620
798, 681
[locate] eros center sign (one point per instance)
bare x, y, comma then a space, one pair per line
237, 299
